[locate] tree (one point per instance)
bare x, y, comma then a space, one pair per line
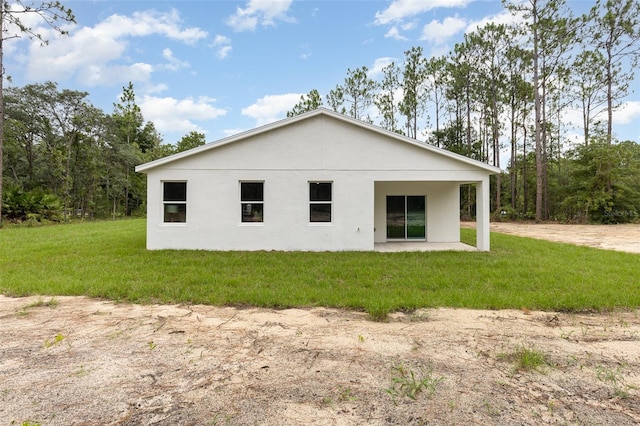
357, 91
53, 140
589, 82
385, 100
437, 74
13, 26
414, 93
128, 122
604, 183
551, 33
459, 90
307, 103
490, 45
192, 140
614, 30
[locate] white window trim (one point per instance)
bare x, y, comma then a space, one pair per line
163, 203
309, 202
241, 223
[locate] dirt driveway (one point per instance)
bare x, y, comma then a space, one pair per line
66, 361
611, 237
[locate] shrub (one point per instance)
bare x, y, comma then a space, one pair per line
30, 206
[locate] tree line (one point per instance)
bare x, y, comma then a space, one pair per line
503, 89
65, 158
507, 89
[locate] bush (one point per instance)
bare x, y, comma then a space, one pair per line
30, 206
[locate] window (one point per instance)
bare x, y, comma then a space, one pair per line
320, 201
174, 199
252, 201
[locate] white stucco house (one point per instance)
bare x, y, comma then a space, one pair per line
320, 181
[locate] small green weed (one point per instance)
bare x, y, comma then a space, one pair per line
525, 358
59, 338
344, 395
152, 345
614, 378
39, 303
409, 384
81, 372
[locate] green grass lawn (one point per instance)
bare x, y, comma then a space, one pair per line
109, 260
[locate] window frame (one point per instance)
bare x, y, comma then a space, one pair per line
313, 203
244, 202
181, 216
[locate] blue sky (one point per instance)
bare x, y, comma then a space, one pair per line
221, 67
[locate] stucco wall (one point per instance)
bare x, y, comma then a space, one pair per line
214, 219
363, 165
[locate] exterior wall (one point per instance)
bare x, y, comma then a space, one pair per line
214, 212
442, 203
363, 165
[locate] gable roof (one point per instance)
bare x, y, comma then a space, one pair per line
317, 112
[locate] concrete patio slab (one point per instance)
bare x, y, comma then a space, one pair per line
404, 246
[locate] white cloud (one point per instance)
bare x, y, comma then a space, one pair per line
438, 32
378, 66
150, 22
221, 40
271, 108
107, 75
394, 33
174, 64
224, 51
263, 12
89, 53
399, 10
173, 115
627, 113
223, 46
505, 17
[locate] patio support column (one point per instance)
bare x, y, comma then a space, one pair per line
482, 214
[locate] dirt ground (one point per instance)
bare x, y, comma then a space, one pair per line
624, 237
79, 361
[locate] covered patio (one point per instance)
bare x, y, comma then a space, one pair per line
424, 215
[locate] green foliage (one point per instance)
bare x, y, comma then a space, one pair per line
357, 92
57, 141
605, 183
307, 103
190, 141
615, 378
385, 100
407, 383
525, 358
31, 206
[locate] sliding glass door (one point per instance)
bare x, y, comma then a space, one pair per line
406, 217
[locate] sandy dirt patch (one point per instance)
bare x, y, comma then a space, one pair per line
611, 237
94, 362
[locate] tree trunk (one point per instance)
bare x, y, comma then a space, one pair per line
538, 115
609, 95
1, 104
513, 168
